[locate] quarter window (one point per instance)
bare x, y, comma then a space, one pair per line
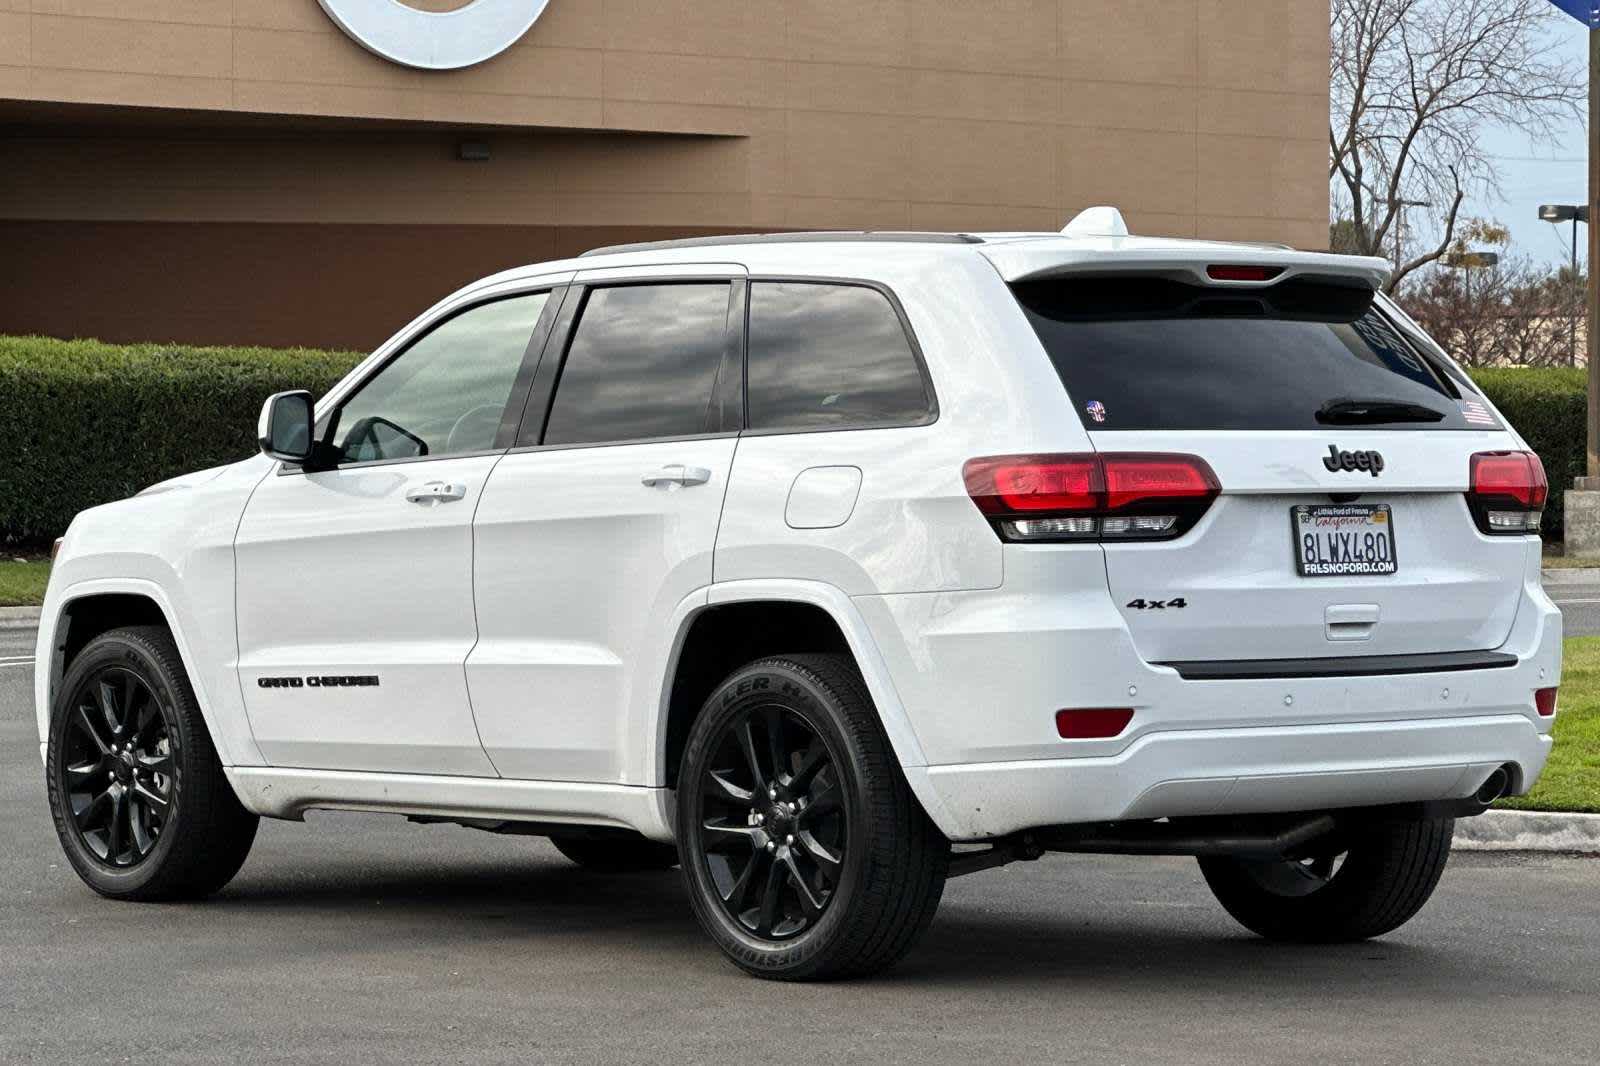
830, 356
447, 392
643, 363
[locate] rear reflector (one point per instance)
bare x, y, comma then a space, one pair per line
1095, 723
1092, 495
1231, 272
1507, 492
1545, 700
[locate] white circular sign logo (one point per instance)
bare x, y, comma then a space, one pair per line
435, 40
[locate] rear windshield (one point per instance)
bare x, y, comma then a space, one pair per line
1150, 353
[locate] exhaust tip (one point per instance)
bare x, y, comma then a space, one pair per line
1494, 786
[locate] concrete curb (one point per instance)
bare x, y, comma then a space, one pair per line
1571, 575
19, 617
1529, 831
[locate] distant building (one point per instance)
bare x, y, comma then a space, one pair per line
219, 171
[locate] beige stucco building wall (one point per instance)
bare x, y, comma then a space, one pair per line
189, 127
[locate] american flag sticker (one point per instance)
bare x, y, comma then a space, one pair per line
1476, 413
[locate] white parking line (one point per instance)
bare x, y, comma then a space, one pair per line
1574, 603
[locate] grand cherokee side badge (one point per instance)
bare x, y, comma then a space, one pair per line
321, 681
1370, 461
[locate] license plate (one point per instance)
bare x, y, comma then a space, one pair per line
1343, 540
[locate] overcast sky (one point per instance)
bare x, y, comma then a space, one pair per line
1531, 175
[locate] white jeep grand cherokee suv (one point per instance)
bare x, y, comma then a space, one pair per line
796, 560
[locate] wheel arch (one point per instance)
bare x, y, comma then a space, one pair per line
744, 620
87, 609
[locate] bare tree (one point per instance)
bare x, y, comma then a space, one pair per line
1414, 84
1518, 313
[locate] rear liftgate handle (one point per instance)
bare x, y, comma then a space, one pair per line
1350, 621
676, 474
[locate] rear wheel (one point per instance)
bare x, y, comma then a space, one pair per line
617, 855
805, 855
137, 793
1376, 885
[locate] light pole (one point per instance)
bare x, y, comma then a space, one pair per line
1400, 224
1469, 261
1573, 213
1583, 505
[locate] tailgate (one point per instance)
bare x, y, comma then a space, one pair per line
1236, 574
1344, 448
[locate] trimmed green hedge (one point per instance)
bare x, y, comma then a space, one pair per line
1549, 407
82, 422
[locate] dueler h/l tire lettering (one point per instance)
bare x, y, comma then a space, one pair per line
804, 853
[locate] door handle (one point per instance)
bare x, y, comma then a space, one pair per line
677, 474
436, 492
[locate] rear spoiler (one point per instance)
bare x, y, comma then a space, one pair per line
1193, 262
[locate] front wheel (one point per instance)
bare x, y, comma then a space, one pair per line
804, 853
1376, 884
137, 793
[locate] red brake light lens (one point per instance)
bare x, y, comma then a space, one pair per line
1507, 492
1232, 272
1133, 478
1545, 700
1093, 723
1091, 496
1041, 483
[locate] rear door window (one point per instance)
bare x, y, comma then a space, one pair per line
825, 355
1153, 354
642, 364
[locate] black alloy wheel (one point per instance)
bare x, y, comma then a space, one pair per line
139, 798
119, 773
774, 827
805, 855
1370, 881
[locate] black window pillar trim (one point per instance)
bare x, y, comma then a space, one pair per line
727, 411
522, 390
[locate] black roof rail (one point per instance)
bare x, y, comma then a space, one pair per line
819, 237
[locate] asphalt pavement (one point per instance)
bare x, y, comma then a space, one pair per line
1579, 600
365, 939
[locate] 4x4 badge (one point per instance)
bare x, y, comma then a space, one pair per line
1370, 461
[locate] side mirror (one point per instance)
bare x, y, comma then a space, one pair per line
285, 430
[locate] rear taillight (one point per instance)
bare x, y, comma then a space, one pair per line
1544, 700
1506, 492
1091, 496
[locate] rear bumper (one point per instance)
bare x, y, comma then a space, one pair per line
981, 675
1238, 771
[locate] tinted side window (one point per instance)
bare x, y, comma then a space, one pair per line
643, 363
825, 355
446, 393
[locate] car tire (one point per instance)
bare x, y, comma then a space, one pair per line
137, 793
617, 855
805, 855
1387, 874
